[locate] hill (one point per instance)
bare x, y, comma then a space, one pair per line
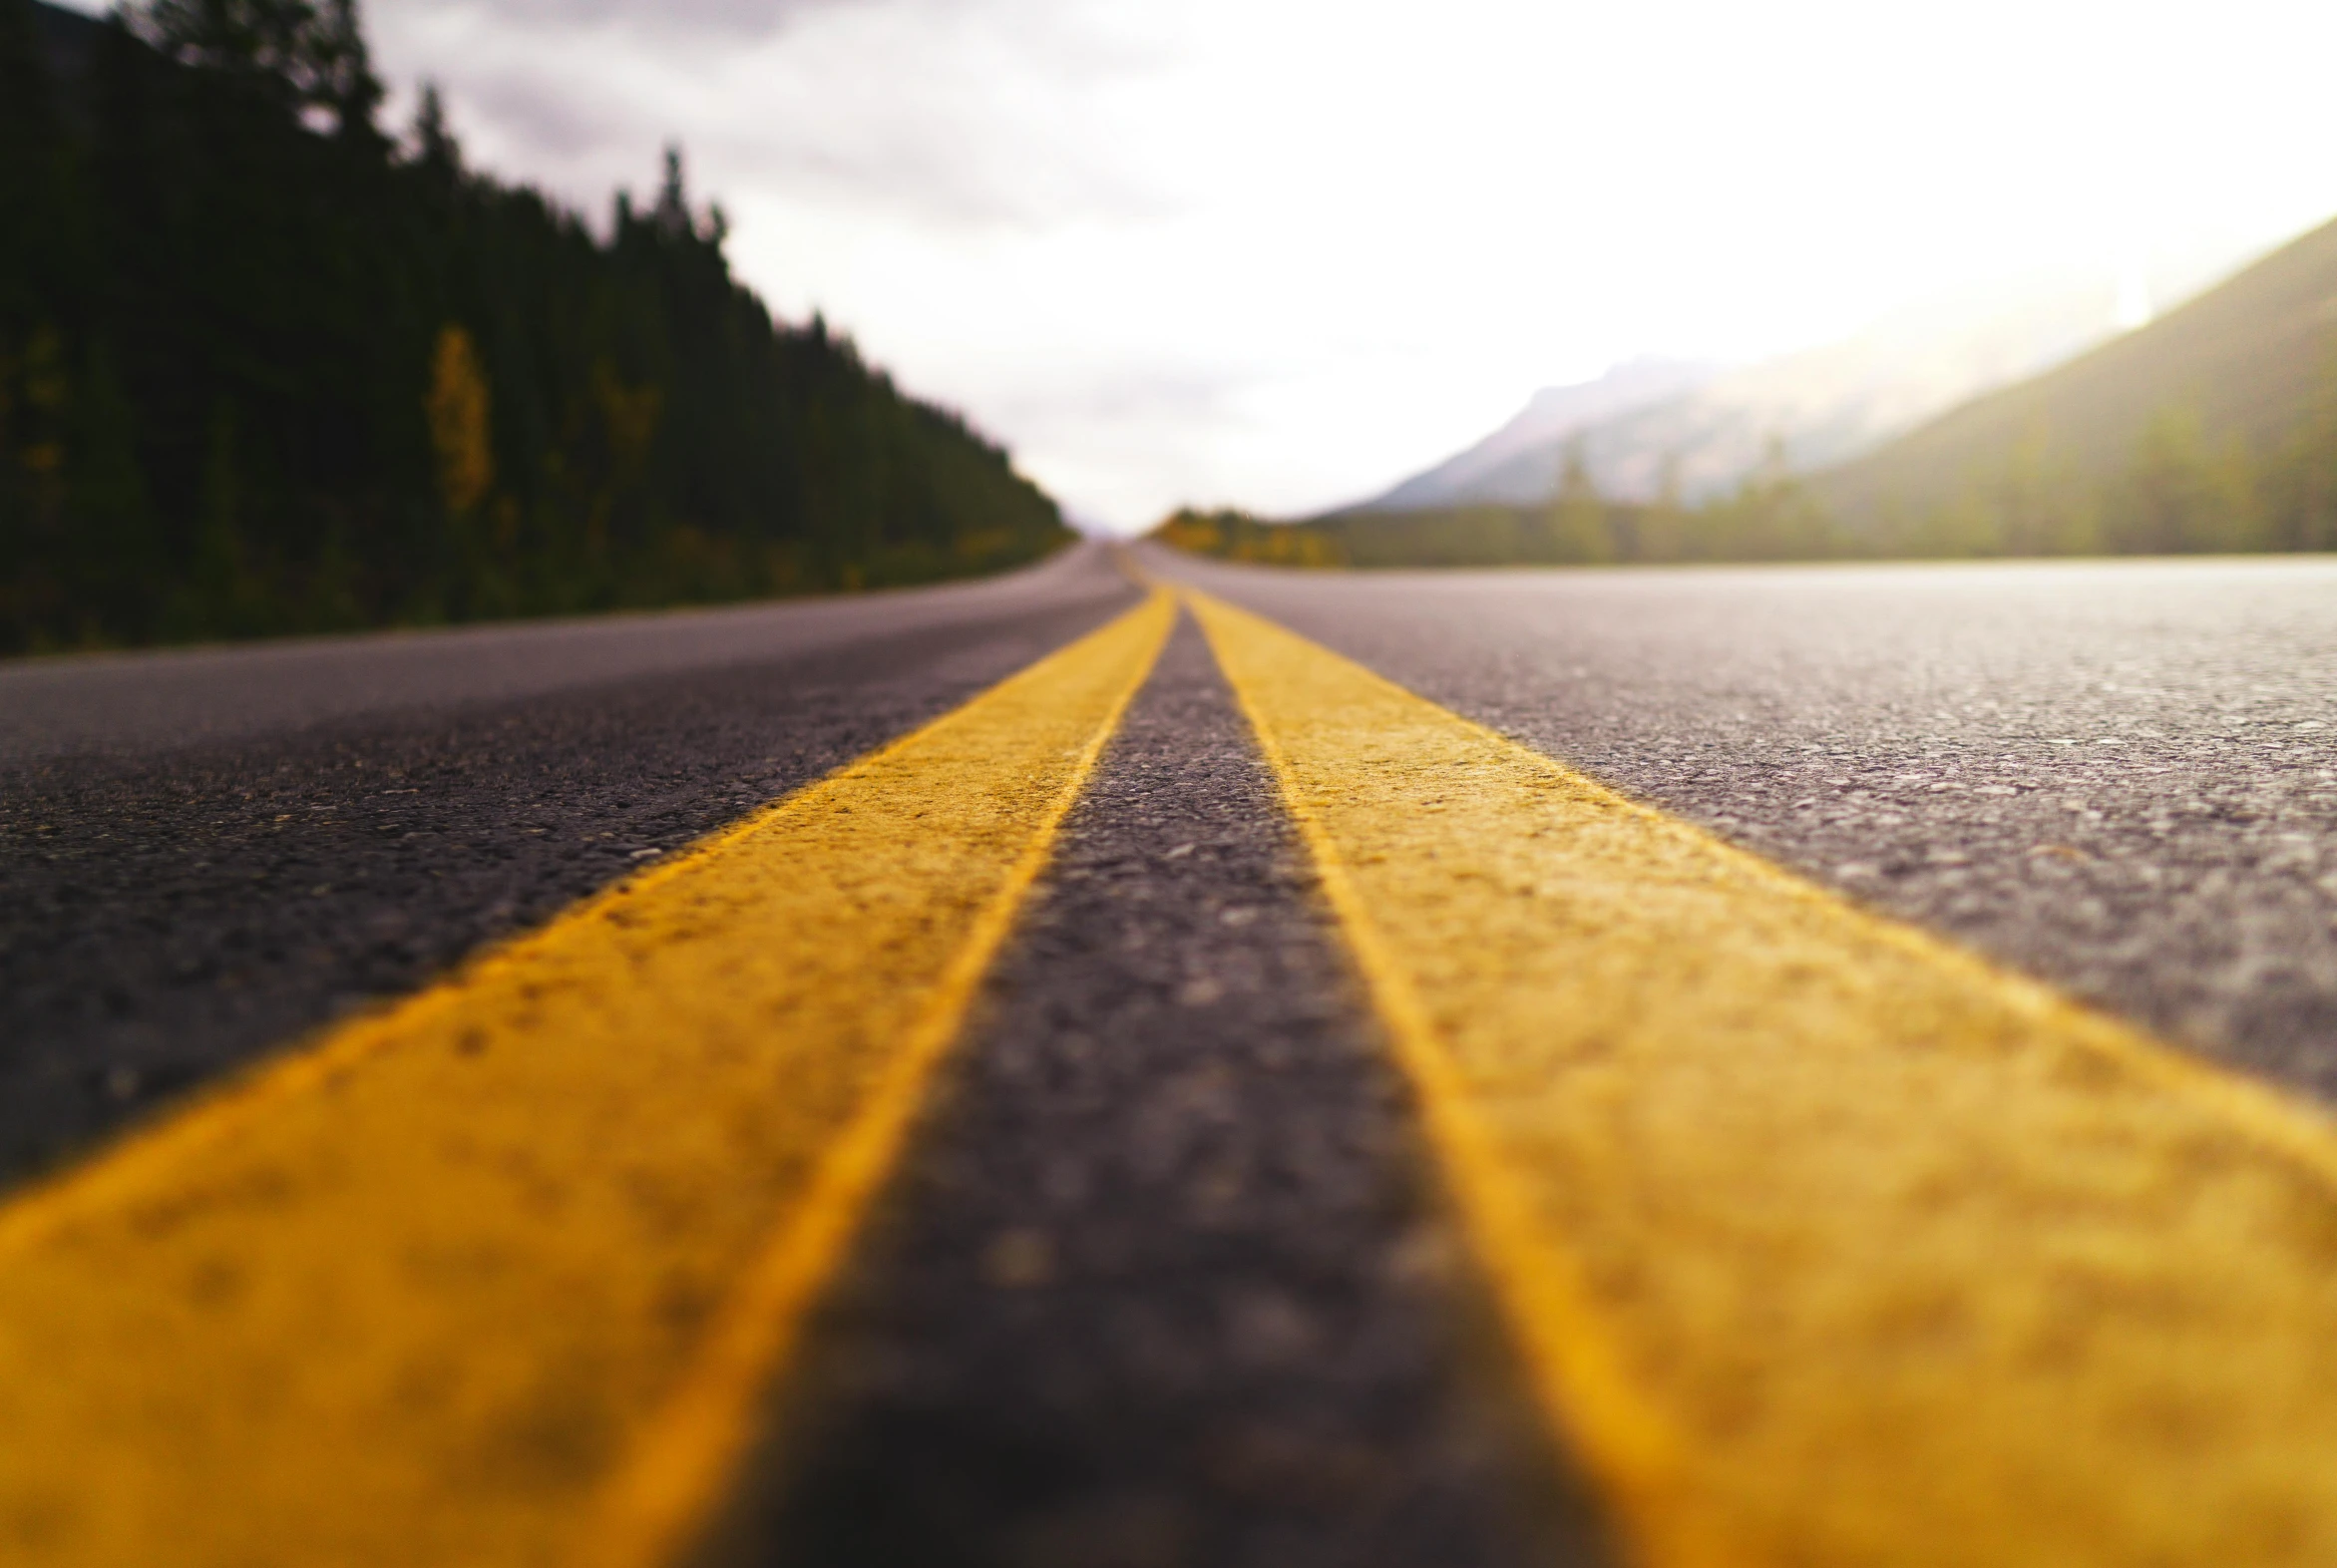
1769, 517
2214, 427
1653, 425
2210, 430
1518, 463
264, 368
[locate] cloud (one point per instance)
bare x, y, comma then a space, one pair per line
1279, 252
726, 18
947, 113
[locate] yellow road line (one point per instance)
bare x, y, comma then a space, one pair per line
496, 1278
1825, 1243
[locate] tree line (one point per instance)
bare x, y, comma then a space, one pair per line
1771, 515
265, 367
2182, 492
2179, 491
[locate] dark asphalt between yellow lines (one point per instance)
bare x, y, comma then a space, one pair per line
1825, 1243
1821, 1242
494, 1277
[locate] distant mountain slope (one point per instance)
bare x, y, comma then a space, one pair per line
2211, 431
1821, 406
1518, 463
2246, 359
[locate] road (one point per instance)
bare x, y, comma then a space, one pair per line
2120, 776
1193, 1101
213, 851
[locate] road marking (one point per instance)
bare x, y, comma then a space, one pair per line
497, 1275
1824, 1242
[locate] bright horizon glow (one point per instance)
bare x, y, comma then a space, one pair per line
1281, 252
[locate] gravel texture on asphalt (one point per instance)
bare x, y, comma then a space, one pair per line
2119, 776
176, 907
146, 702
1161, 1281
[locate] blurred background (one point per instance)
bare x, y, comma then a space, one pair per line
1279, 253
1267, 259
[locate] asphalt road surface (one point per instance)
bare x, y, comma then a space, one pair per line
211, 852
1174, 1171
2119, 777
1173, 1261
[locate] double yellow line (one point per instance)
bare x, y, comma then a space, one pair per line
496, 1278
1824, 1241
1820, 1242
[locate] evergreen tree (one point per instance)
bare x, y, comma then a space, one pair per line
2303, 485
1771, 516
2182, 494
261, 370
1663, 527
1577, 527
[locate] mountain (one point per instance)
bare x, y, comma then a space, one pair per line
1519, 462
2212, 430
2237, 374
1652, 422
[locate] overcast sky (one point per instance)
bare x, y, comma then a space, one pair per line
1280, 252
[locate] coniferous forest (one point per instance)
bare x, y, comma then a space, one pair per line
268, 367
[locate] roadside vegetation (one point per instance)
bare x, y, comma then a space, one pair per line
1771, 516
265, 367
2182, 492
2212, 430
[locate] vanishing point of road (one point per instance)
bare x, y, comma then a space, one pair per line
1143, 1062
